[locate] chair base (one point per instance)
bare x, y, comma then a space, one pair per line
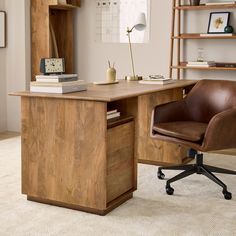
198, 168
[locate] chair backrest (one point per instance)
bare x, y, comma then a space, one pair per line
209, 97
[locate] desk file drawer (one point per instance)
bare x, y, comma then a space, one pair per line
120, 160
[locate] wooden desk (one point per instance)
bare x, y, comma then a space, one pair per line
73, 157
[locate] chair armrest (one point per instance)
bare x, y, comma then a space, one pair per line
221, 131
173, 111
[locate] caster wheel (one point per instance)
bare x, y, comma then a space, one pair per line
169, 190
227, 195
160, 175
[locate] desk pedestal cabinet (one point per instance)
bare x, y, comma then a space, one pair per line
71, 158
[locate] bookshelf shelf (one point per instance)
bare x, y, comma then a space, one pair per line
204, 68
66, 7
205, 7
198, 36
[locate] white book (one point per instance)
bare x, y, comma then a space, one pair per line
219, 3
200, 62
160, 82
48, 80
113, 115
62, 76
216, 35
58, 84
111, 112
199, 65
58, 89
156, 79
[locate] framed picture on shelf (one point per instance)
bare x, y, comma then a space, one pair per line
2, 29
217, 22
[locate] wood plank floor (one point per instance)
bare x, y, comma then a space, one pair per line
8, 134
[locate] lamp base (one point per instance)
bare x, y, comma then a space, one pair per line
133, 78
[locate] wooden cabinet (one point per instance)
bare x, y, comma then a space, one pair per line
52, 32
177, 35
120, 160
73, 157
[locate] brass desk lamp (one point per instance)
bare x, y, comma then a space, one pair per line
140, 25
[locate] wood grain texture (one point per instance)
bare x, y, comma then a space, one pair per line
63, 157
171, 39
129, 107
203, 68
150, 149
205, 7
120, 160
108, 93
8, 134
40, 35
197, 36
44, 13
62, 23
120, 200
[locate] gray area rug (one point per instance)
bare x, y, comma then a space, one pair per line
197, 207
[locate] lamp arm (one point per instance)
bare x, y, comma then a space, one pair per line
130, 30
131, 53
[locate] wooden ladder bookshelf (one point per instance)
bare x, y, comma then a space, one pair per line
177, 35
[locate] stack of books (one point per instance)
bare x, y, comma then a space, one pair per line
156, 79
65, 83
201, 64
113, 114
220, 3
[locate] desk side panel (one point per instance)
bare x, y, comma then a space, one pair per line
151, 150
64, 151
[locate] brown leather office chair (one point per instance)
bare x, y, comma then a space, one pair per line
205, 120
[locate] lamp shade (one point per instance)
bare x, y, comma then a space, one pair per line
140, 23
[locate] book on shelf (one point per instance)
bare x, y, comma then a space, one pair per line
155, 81
111, 112
220, 3
217, 35
56, 78
226, 64
113, 115
60, 87
200, 64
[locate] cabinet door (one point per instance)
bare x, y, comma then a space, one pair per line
120, 160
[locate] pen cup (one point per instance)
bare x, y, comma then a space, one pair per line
111, 75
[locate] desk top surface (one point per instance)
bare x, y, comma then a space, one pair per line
108, 93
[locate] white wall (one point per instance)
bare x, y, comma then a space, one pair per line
3, 117
17, 52
17, 62
149, 58
152, 57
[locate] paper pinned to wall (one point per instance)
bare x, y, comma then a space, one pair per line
114, 16
2, 29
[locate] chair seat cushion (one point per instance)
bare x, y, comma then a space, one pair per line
186, 130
